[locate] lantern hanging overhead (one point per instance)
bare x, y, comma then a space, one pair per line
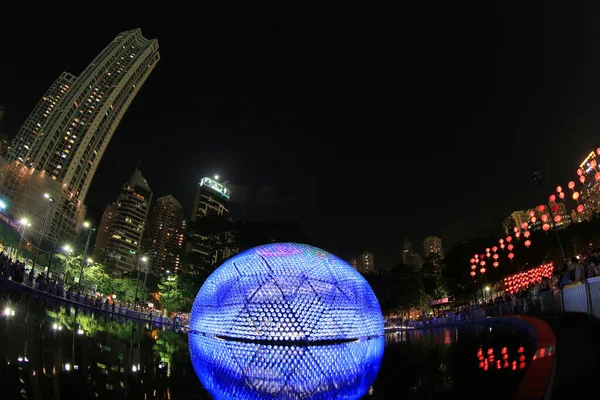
571, 185
582, 179
575, 195
524, 225
509, 239
482, 270
518, 235
488, 255
544, 217
526, 234
561, 195
552, 198
554, 208
473, 273
501, 241
580, 208
473, 266
593, 164
558, 189
557, 218
510, 247
532, 213
597, 176
495, 249
482, 263
511, 256
545, 227
598, 151
528, 243
472, 260
476, 256
482, 256
496, 256
541, 208
533, 219
487, 250
496, 263
579, 171
502, 246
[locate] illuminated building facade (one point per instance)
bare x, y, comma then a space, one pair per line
364, 263
63, 140
207, 239
163, 238
590, 189
517, 218
410, 257
127, 227
433, 245
104, 227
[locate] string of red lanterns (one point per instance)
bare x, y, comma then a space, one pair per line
515, 282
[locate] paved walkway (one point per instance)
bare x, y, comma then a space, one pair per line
577, 355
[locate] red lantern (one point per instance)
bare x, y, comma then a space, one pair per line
481, 256
511, 255
482, 270
473, 273
554, 208
559, 189
495, 249
561, 195
509, 239
487, 250
526, 234
473, 266
593, 164
557, 218
533, 219
597, 176
496, 263
487, 255
552, 198
518, 235
524, 225
510, 247
579, 171
598, 151
515, 229
528, 243
580, 208
571, 185
472, 260
532, 213
502, 246
541, 208
496, 256
575, 195
501, 241
582, 179
476, 256
545, 227
544, 217
482, 263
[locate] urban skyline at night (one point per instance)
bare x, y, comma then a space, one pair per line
275, 178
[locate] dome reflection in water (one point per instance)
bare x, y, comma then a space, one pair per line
241, 370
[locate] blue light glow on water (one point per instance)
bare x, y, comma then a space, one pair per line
232, 369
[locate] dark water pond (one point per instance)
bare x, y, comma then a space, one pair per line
49, 350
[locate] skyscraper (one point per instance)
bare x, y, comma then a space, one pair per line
364, 263
207, 235
104, 227
59, 147
163, 238
410, 257
590, 193
433, 245
127, 227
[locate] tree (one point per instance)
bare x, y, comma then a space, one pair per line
171, 296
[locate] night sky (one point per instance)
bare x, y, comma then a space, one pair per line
364, 125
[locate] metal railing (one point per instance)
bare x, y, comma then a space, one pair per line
582, 297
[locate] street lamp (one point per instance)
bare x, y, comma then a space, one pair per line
85, 251
60, 221
2, 205
144, 259
39, 245
24, 224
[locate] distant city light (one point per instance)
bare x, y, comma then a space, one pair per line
216, 177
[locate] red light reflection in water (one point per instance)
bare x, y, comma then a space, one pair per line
514, 362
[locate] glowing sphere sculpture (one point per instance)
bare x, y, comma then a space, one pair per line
286, 292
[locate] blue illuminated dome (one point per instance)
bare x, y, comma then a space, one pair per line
286, 292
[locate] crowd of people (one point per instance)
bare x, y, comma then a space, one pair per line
17, 271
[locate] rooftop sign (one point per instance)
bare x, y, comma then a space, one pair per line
216, 186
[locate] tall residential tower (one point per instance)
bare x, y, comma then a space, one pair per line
163, 238
59, 147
